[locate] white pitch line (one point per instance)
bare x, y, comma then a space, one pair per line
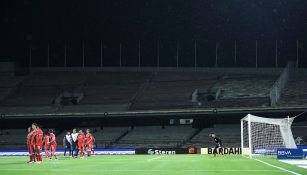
232, 171
112, 170
299, 163
155, 158
283, 169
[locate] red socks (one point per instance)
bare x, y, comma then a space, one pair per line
33, 157
39, 157
47, 154
82, 154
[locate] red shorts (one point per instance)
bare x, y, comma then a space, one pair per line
90, 145
46, 147
38, 147
33, 144
81, 147
53, 147
30, 148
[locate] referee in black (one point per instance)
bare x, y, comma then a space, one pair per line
218, 145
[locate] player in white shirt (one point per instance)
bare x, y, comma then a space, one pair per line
74, 136
67, 143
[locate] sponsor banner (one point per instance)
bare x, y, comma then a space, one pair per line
163, 151
225, 150
304, 148
265, 151
245, 151
123, 151
203, 150
14, 153
285, 153
192, 150
305, 153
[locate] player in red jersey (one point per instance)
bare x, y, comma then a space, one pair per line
81, 138
93, 152
53, 144
46, 143
88, 142
39, 144
33, 141
30, 148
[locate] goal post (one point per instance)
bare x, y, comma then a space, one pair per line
262, 136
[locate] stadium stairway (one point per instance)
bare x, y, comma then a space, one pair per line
119, 138
156, 136
138, 94
229, 133
193, 135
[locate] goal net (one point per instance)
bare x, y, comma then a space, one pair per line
262, 136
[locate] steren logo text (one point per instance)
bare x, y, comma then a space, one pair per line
156, 151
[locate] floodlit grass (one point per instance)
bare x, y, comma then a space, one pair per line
147, 164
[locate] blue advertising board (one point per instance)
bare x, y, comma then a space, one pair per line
304, 148
285, 153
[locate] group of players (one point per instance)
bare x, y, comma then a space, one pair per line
36, 140
84, 142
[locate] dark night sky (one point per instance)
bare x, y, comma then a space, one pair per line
126, 21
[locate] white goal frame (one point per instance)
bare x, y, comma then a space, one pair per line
248, 137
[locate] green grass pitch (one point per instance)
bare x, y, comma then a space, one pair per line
147, 165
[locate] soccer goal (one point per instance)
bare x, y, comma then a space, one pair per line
262, 136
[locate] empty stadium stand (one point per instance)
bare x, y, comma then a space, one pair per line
230, 135
123, 91
295, 93
8, 85
41, 90
172, 90
147, 136
112, 88
106, 136
156, 136
243, 91
13, 139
